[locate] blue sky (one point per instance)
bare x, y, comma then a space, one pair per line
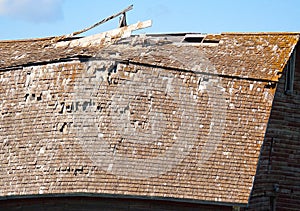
40, 18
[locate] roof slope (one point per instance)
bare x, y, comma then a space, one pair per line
242, 55
145, 116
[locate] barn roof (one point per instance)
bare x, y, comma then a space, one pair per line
176, 116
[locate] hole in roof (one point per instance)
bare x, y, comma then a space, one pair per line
210, 41
193, 38
201, 38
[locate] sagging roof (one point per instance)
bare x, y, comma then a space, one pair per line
204, 99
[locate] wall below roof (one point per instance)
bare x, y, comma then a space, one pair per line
277, 182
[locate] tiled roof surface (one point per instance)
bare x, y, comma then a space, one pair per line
243, 55
18, 53
144, 117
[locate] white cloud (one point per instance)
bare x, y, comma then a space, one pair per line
32, 10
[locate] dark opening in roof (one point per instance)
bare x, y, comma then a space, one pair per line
210, 41
201, 38
193, 38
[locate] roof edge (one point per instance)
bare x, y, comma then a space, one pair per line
28, 40
105, 195
160, 34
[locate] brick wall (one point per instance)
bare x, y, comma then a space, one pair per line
277, 183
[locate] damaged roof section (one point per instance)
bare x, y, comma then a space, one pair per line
258, 55
25, 52
243, 55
